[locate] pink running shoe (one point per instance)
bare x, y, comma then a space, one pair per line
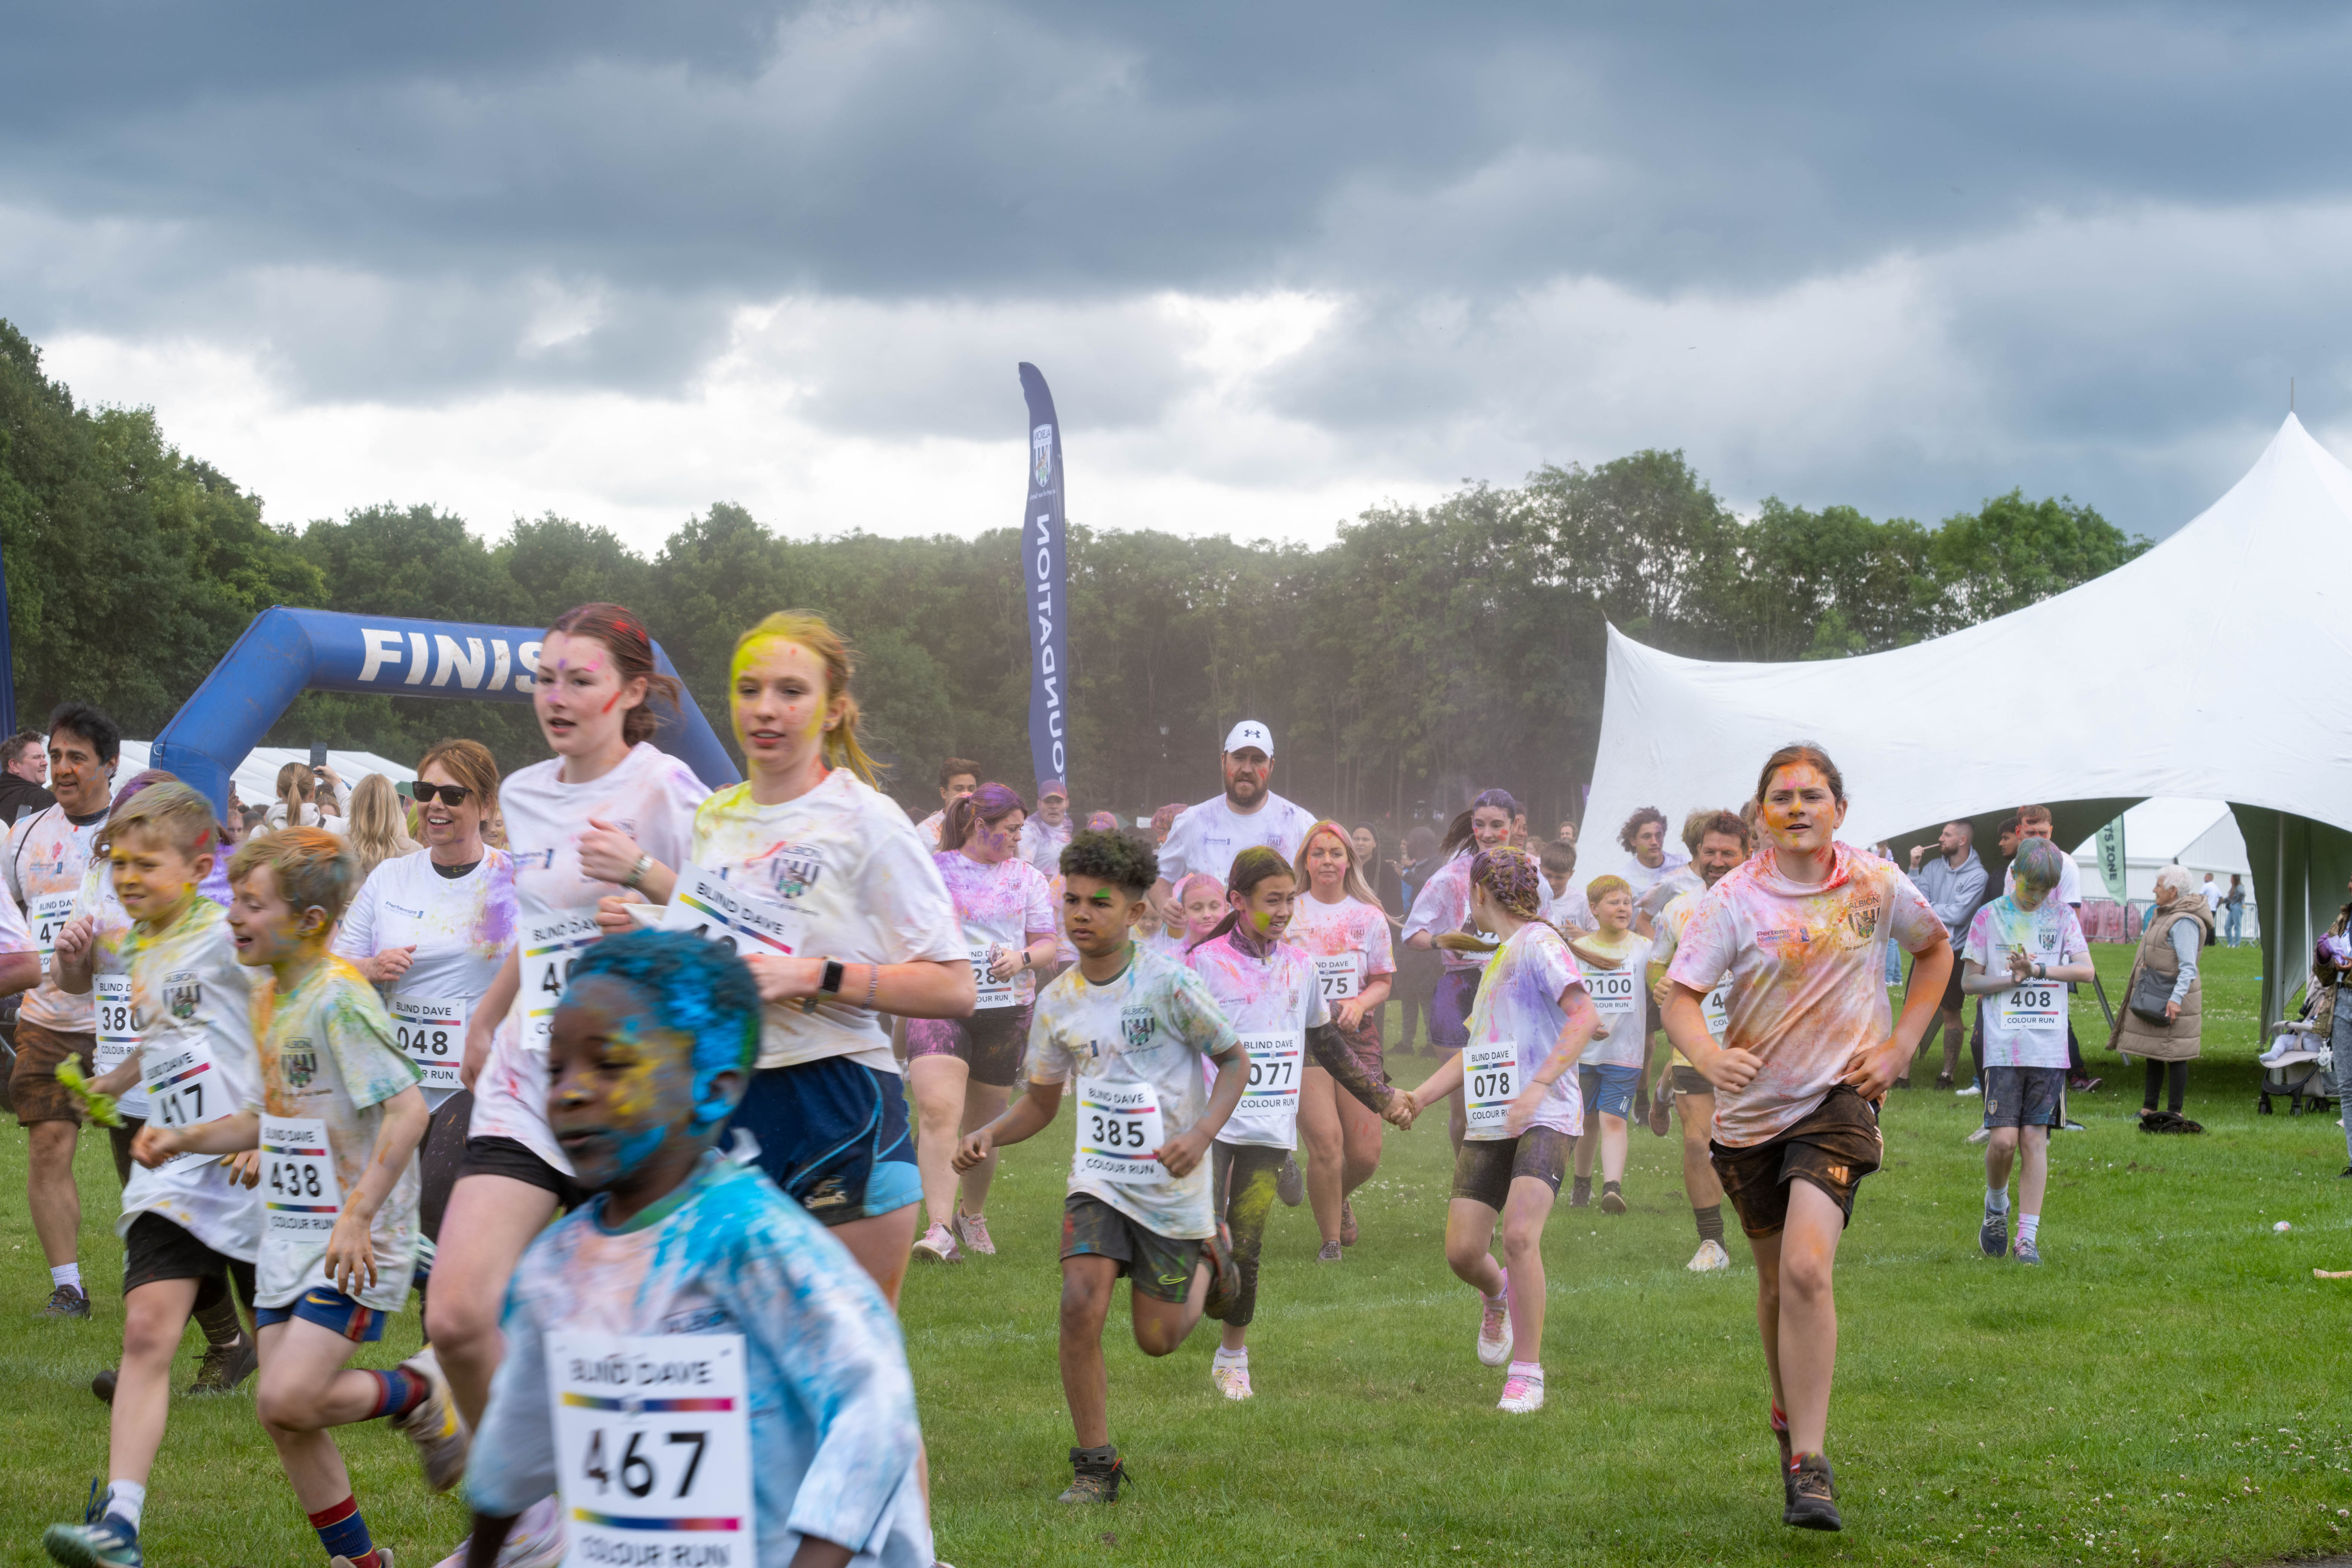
1495, 1332
939, 1245
971, 1230
1522, 1394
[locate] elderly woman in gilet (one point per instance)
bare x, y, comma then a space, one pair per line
2178, 929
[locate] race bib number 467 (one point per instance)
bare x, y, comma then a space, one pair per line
653, 1448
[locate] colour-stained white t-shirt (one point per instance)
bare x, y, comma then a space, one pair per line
1151, 1025
651, 796
1443, 905
1519, 1001
1349, 941
192, 1003
1206, 837
47, 854
1621, 1036
1673, 871
2025, 1025
462, 929
1808, 971
327, 1056
931, 826
1042, 843
999, 906
849, 869
1278, 994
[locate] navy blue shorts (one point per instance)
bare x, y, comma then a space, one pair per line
833, 1134
329, 1309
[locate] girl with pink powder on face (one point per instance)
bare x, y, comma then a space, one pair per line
1808, 1050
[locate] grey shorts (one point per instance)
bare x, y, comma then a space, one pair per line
2024, 1097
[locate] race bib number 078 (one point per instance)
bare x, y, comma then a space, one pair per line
1490, 1081
653, 1448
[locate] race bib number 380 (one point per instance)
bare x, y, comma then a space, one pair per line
653, 1448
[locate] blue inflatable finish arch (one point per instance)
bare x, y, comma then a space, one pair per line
286, 652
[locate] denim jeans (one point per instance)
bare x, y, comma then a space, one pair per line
2233, 922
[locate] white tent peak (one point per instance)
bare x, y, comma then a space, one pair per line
2196, 669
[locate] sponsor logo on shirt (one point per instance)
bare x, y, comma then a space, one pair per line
794, 868
300, 1063
1135, 1027
696, 1321
542, 858
395, 909
1862, 915
184, 993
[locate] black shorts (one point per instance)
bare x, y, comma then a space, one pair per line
1834, 1147
991, 1043
2024, 1097
1483, 1172
155, 1250
441, 1160
513, 1160
1160, 1267
1690, 1080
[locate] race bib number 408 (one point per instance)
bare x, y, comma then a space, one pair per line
653, 1448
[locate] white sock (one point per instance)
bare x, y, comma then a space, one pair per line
1996, 1200
2029, 1226
126, 1501
1233, 1358
1502, 1297
1530, 1370
66, 1274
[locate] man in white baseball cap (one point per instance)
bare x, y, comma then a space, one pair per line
1207, 837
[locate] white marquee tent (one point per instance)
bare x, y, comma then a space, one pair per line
256, 776
2202, 834
2132, 695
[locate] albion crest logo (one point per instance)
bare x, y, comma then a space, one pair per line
1135, 1026
184, 993
300, 1063
1862, 918
794, 870
1041, 452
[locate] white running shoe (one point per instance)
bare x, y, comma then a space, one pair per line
1495, 1332
1977, 1089
537, 1540
1232, 1382
1982, 1135
939, 1245
1709, 1258
1522, 1394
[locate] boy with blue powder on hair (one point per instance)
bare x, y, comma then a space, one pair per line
698, 1367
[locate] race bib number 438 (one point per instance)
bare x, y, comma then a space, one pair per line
653, 1448
299, 1194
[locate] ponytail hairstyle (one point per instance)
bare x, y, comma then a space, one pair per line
1353, 883
843, 748
1511, 879
295, 787
1457, 832
991, 803
626, 638
1252, 866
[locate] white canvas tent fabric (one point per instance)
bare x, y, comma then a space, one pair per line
256, 776
2166, 708
2202, 834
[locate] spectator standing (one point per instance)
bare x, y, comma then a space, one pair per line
2176, 930
1046, 832
1377, 873
2234, 910
1953, 883
24, 777
379, 825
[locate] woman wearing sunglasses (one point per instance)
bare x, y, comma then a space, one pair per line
432, 929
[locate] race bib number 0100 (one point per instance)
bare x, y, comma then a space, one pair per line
1119, 1127
1616, 992
653, 1448
1490, 1081
431, 1032
1336, 973
549, 943
993, 992
110, 1008
1268, 1113
300, 1195
754, 927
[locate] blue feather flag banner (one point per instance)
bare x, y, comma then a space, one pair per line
1045, 562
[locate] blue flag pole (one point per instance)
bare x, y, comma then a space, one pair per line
1045, 559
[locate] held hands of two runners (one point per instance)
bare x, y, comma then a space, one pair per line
1402, 1110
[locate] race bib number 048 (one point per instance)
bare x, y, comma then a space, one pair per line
1119, 1127
653, 1448
431, 1032
1490, 1081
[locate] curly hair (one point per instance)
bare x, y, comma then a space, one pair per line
1112, 858
1641, 819
696, 986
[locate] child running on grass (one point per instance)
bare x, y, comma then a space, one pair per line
1609, 1075
2021, 948
190, 1225
338, 1120
1801, 930
1271, 992
1131, 1027
799, 1445
1528, 1023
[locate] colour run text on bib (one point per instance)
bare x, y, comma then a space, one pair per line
299, 1194
1120, 1128
110, 1008
2035, 1009
1269, 1109
1616, 992
653, 1448
993, 992
431, 1032
1490, 1081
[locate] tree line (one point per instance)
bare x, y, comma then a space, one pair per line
1428, 652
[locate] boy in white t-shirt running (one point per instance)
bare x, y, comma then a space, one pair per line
2022, 948
1131, 1027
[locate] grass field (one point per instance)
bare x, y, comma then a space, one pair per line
2162, 1391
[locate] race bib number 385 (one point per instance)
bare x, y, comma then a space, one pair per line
1119, 1127
653, 1448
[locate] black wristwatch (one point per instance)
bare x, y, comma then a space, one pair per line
831, 984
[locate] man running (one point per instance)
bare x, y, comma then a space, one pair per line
1717, 840
47, 854
959, 776
1207, 837
1953, 883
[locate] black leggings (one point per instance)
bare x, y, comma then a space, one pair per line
2159, 1073
1244, 1177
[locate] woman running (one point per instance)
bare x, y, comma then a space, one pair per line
433, 928
1341, 925
1271, 992
1802, 930
1527, 1026
961, 1069
607, 812
809, 837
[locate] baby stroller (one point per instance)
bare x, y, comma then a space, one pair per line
2299, 1065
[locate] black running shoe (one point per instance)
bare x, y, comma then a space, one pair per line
1224, 1277
1095, 1474
1290, 1182
1813, 1494
103, 1385
67, 1301
226, 1366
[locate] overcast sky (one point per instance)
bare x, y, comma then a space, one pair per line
1279, 262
